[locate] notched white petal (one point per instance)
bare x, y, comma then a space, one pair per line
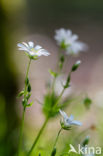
31, 44
77, 123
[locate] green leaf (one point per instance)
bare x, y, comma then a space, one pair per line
54, 74
21, 93
29, 105
49, 108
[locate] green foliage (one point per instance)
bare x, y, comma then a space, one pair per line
75, 66
87, 102
53, 152
48, 105
61, 61
86, 141
21, 93
49, 108
54, 74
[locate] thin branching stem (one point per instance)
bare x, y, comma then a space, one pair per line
38, 136
23, 115
56, 140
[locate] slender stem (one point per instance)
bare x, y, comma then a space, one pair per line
38, 136
56, 140
23, 115
53, 84
25, 89
21, 132
59, 97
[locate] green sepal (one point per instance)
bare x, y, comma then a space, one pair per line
65, 127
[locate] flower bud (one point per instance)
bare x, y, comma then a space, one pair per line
86, 141
53, 152
76, 65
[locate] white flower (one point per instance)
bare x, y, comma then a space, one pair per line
69, 42
32, 51
67, 122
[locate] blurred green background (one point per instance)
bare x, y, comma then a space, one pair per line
36, 20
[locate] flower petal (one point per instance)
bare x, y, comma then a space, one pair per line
64, 115
31, 44
44, 52
71, 117
25, 44
77, 123
20, 45
37, 47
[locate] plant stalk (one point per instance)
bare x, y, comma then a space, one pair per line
38, 136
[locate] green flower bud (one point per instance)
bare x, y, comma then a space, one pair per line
53, 152
87, 102
29, 88
27, 81
75, 66
24, 102
86, 141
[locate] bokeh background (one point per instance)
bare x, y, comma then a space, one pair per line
36, 20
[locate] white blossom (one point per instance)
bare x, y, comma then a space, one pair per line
32, 51
69, 42
67, 122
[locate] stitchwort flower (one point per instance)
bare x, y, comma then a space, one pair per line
67, 122
32, 51
69, 42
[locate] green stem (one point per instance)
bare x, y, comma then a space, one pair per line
59, 97
25, 89
21, 132
53, 84
56, 140
38, 136
23, 115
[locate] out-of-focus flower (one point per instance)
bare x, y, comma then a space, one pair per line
67, 122
32, 51
69, 42
86, 153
